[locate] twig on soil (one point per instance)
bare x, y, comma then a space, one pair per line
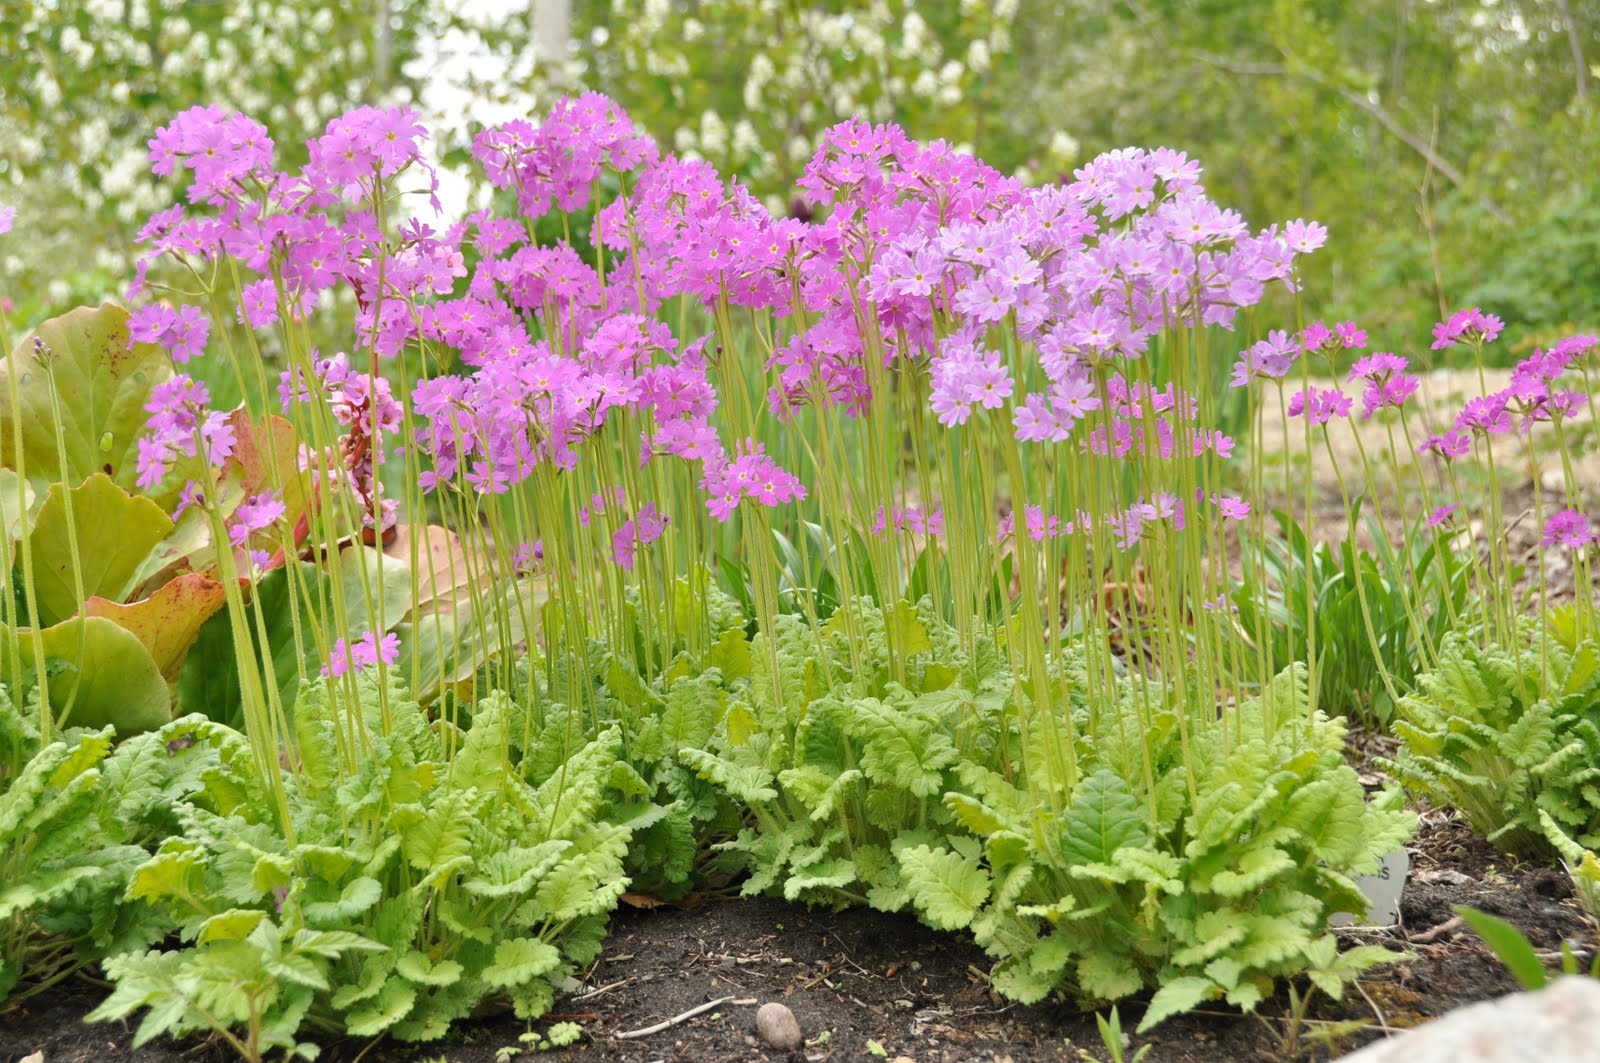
591, 994
699, 1009
1449, 926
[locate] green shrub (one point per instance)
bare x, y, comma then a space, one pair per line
1511, 737
420, 875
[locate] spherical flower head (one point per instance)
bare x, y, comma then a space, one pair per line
1379, 367
183, 331
1320, 405
1390, 393
1467, 326
8, 216
1487, 414
1271, 358
1317, 336
750, 475
1568, 528
1572, 349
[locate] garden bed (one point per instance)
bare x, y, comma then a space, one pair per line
859, 975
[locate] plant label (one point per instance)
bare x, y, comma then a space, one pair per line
1383, 892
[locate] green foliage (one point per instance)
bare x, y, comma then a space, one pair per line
935, 791
113, 533
210, 681
1511, 737
100, 674
1508, 943
77, 819
99, 381
1111, 1037
1207, 882
844, 774
423, 875
1517, 952
1287, 582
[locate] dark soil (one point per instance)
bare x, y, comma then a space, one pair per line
857, 977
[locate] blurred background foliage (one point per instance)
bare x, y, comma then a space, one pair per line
1450, 145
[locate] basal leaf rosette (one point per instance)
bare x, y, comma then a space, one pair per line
422, 881
1508, 735
1141, 883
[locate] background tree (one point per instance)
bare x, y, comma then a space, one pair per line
1452, 146
86, 82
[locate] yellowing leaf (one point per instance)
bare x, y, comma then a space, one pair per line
236, 924
113, 532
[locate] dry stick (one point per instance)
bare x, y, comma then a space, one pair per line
700, 1009
591, 994
1428, 937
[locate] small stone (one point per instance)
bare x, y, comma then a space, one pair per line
902, 1059
777, 1024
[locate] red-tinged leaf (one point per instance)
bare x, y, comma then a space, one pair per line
168, 621
266, 457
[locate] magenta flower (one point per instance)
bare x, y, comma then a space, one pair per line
1390, 393
1470, 325
966, 375
527, 556
255, 514
1233, 508
260, 304
1271, 358
1321, 405
753, 475
909, 519
1304, 237
183, 332
1441, 516
8, 216
642, 530
1379, 367
1487, 414
1569, 528
1570, 350
361, 653
1349, 335
177, 414
986, 299
1453, 443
